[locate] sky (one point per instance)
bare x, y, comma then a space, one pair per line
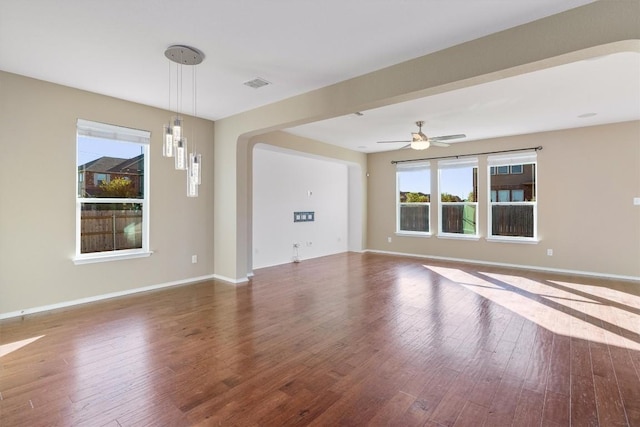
93, 148
458, 182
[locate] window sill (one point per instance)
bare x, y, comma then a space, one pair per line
520, 240
412, 234
109, 256
459, 236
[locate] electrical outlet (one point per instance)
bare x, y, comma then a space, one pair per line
194, 259
388, 239
549, 252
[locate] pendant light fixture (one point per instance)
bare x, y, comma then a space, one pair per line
174, 139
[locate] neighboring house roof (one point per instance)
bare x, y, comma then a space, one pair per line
106, 164
102, 164
134, 164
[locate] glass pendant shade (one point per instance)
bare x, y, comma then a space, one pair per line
195, 169
194, 174
167, 146
181, 154
177, 129
192, 186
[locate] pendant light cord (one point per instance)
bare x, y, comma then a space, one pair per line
193, 127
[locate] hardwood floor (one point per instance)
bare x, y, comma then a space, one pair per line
350, 339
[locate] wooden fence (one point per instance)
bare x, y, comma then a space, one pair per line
460, 219
110, 230
414, 217
507, 220
512, 220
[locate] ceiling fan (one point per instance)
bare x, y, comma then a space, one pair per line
420, 141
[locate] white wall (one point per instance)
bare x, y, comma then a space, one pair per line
281, 185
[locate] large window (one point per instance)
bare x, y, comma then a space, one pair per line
458, 190
111, 205
512, 205
413, 197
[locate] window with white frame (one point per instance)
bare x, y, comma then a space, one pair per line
112, 210
458, 193
513, 213
413, 197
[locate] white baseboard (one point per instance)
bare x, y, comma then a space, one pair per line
516, 266
64, 304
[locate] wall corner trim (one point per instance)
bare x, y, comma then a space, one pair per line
230, 280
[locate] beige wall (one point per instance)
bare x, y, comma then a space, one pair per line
37, 199
587, 179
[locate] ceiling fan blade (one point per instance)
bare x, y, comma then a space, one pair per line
438, 143
391, 142
447, 137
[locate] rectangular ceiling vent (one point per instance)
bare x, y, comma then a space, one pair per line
257, 83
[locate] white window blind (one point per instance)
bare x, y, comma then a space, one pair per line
458, 163
512, 159
412, 166
118, 133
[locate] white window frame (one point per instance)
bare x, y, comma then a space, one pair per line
456, 164
412, 166
508, 160
86, 128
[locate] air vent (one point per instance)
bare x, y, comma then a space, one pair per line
257, 83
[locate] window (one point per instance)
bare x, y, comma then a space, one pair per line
100, 178
413, 192
458, 190
514, 214
111, 204
504, 195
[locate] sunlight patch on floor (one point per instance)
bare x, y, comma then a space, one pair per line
16, 345
588, 312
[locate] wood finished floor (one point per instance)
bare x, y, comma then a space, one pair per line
350, 339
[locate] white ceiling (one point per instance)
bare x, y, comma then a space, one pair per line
583, 93
116, 48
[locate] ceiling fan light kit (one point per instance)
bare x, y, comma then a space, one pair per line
419, 143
